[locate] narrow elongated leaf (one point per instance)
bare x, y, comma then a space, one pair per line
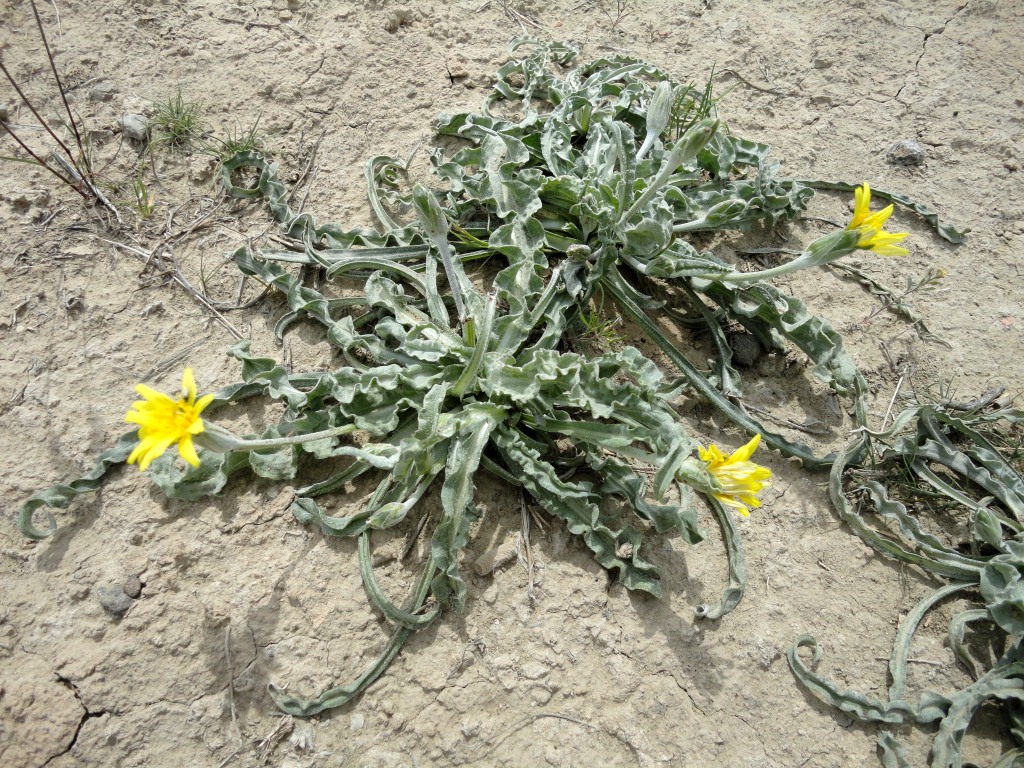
452, 533
932, 707
733, 592
576, 504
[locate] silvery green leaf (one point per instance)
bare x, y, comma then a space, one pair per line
307, 511
279, 465
194, 483
680, 259
929, 548
1005, 686
647, 238
718, 156
772, 312
931, 707
959, 462
452, 533
986, 527
1002, 587
61, 494
576, 504
619, 478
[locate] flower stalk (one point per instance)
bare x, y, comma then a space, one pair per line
864, 232
216, 438
165, 421
684, 150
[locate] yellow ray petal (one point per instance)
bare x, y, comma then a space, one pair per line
164, 421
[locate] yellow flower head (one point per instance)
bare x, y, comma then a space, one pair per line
164, 421
870, 226
740, 479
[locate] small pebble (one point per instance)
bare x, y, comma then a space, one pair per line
135, 127
5, 115
114, 600
495, 558
357, 722
766, 652
301, 739
907, 153
133, 587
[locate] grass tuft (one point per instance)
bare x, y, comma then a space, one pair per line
177, 122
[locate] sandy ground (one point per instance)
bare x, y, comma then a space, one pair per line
235, 593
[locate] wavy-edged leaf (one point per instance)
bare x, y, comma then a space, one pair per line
957, 629
931, 707
947, 747
703, 387
775, 312
905, 633
883, 542
1002, 586
341, 694
732, 594
392, 612
962, 464
61, 494
452, 533
576, 504
893, 753
937, 554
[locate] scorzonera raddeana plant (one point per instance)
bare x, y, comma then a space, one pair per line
584, 185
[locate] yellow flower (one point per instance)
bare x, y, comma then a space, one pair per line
739, 479
870, 226
164, 421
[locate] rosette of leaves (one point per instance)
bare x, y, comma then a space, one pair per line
595, 186
570, 162
965, 457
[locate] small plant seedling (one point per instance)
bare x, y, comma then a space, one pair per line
144, 197
236, 140
177, 121
898, 302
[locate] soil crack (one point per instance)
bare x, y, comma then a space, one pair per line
682, 688
928, 36
86, 715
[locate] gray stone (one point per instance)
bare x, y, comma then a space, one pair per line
766, 652
114, 600
104, 90
907, 153
135, 127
